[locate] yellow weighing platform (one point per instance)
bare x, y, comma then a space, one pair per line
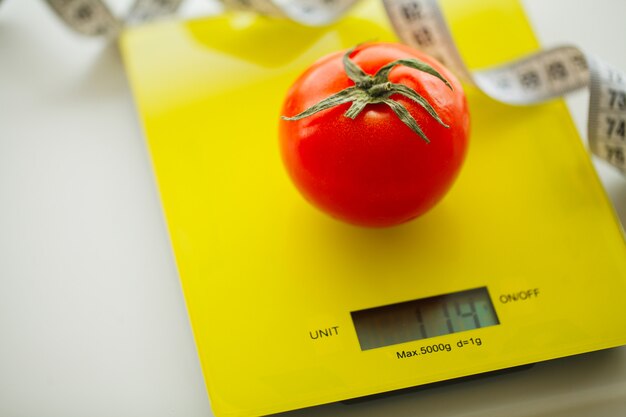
523, 261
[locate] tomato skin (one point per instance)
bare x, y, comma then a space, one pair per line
374, 170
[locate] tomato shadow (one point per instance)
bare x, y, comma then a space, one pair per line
273, 43
374, 258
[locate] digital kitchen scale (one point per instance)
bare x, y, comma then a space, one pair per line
524, 260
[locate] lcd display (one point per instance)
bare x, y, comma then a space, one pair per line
424, 318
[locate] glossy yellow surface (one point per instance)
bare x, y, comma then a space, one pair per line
261, 269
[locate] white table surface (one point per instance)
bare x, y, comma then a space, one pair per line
92, 318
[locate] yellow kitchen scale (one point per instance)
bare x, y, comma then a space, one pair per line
524, 260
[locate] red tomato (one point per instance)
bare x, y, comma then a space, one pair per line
374, 170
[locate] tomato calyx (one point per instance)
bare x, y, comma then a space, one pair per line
372, 89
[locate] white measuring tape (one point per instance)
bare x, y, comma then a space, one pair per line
420, 23
94, 17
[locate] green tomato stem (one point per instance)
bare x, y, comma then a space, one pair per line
369, 89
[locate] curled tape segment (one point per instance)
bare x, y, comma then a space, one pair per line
539, 77
94, 18
420, 23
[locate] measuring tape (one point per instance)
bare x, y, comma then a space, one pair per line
94, 17
536, 78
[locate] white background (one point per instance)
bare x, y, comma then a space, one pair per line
92, 319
